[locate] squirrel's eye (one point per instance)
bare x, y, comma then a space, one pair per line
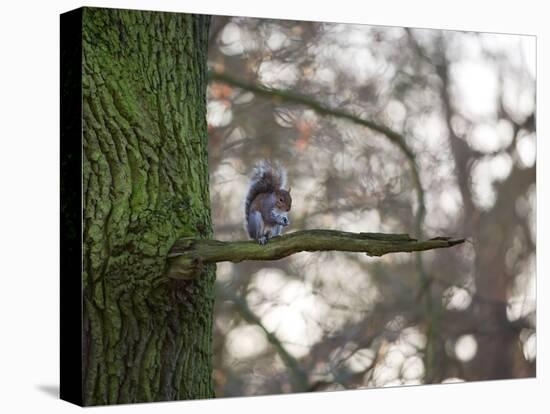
281, 200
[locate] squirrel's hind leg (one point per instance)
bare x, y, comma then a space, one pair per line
256, 228
263, 240
270, 233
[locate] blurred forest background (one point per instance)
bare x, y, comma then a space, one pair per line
464, 104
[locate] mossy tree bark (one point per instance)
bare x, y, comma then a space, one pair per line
145, 185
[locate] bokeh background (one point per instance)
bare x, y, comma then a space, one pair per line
464, 103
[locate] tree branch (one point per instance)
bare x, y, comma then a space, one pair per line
188, 255
298, 376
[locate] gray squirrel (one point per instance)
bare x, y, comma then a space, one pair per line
267, 204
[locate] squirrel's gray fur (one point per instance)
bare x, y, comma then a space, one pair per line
267, 202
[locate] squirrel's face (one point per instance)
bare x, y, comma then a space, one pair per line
284, 200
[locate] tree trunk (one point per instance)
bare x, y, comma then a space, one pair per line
145, 185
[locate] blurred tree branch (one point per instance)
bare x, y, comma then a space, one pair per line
290, 97
298, 377
497, 336
187, 254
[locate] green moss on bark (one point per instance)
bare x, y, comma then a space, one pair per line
145, 186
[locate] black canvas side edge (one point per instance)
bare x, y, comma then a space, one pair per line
71, 207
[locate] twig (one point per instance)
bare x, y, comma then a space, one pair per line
298, 377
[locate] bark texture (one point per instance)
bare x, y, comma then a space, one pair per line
145, 185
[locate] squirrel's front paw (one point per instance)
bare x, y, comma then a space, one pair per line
262, 240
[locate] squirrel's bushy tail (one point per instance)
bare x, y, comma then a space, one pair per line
267, 177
